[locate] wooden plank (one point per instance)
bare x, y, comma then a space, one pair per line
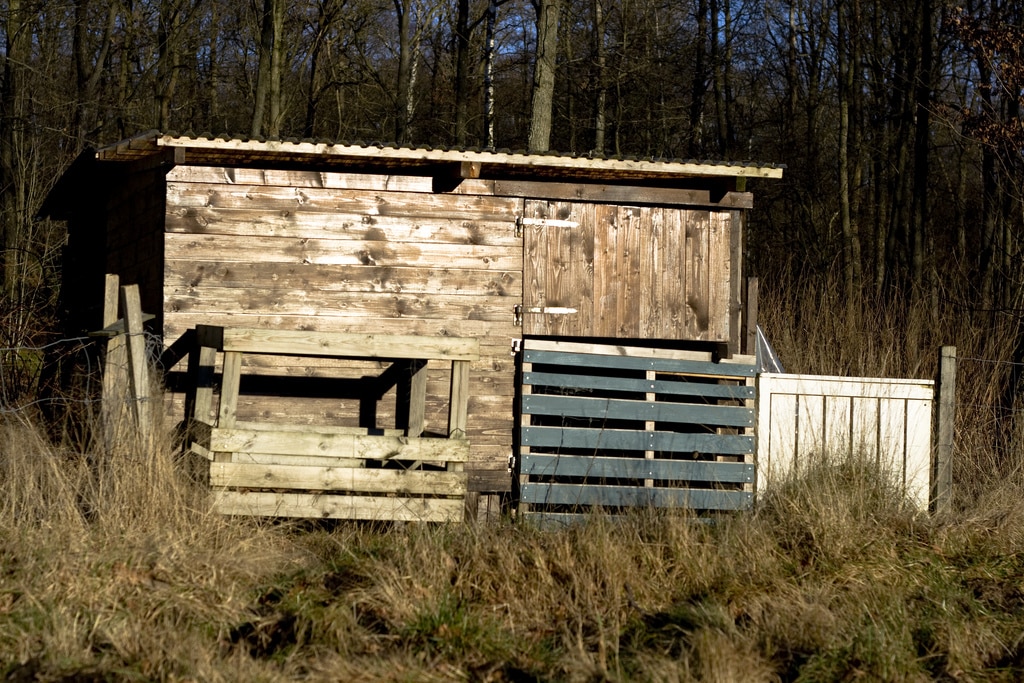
602, 467
183, 277
339, 445
299, 250
416, 227
231, 374
138, 363
115, 368
206, 358
945, 392
622, 439
497, 333
696, 264
351, 206
320, 429
276, 459
459, 399
810, 427
400, 482
381, 508
630, 496
734, 267
620, 409
689, 367
313, 303
917, 456
838, 424
864, 436
606, 278
750, 320
627, 384
297, 343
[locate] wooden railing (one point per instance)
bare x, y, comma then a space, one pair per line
363, 472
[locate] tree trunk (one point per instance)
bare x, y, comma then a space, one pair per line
266, 49
462, 73
276, 68
544, 75
699, 86
492, 19
13, 175
601, 77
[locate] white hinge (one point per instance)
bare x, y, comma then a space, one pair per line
552, 310
543, 222
517, 346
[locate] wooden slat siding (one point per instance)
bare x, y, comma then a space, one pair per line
720, 314
652, 410
358, 253
183, 277
737, 285
633, 496
351, 208
888, 421
695, 368
657, 386
696, 267
299, 250
339, 445
596, 468
254, 503
355, 480
320, 429
349, 305
334, 344
636, 440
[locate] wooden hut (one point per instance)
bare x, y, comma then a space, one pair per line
337, 239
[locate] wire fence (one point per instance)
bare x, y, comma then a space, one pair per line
61, 374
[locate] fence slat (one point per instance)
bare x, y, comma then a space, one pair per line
619, 409
634, 496
636, 468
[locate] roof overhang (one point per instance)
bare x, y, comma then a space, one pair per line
457, 163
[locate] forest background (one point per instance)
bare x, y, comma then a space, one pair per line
899, 122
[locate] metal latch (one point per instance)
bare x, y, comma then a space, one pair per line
517, 315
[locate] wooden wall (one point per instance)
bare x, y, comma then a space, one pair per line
350, 253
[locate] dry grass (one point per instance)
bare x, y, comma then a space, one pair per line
112, 568
118, 572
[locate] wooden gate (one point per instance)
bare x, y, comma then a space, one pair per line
889, 420
628, 272
619, 427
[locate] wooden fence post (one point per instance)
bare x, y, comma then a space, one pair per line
138, 363
750, 343
945, 412
115, 373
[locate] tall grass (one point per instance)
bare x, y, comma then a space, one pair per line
113, 568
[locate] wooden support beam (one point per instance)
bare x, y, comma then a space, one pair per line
945, 416
115, 368
750, 345
138, 364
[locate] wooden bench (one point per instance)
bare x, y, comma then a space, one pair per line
291, 470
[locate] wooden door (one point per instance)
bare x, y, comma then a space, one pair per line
598, 270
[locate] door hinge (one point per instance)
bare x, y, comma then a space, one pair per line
517, 315
519, 226
517, 346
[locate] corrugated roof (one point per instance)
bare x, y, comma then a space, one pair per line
326, 154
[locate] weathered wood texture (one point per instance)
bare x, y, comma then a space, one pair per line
619, 427
888, 421
333, 471
646, 272
349, 253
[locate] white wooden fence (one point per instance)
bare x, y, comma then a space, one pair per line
890, 420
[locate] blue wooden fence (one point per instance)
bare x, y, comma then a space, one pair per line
623, 427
